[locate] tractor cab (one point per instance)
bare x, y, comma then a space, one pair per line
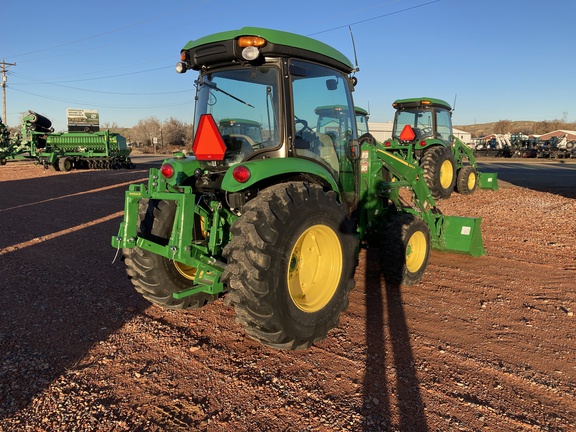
256, 97
248, 129
421, 120
334, 121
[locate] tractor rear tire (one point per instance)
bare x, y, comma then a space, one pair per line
439, 171
466, 180
405, 250
157, 277
291, 265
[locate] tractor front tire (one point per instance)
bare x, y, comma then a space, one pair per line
157, 277
405, 250
291, 265
439, 171
466, 180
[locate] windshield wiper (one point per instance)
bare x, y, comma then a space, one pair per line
215, 87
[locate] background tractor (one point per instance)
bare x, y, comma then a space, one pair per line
422, 134
274, 223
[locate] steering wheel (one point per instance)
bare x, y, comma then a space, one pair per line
427, 130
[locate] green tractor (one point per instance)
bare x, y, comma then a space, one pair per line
422, 134
275, 227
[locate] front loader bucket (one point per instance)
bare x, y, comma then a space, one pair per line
488, 180
460, 235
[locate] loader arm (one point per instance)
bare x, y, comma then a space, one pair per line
448, 233
462, 151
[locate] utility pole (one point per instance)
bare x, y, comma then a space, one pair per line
3, 71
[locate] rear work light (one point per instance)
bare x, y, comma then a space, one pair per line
251, 46
167, 171
181, 66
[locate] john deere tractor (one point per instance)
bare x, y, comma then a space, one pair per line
274, 222
423, 135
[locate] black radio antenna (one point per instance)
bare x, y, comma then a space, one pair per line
354, 47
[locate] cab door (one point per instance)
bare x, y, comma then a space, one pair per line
314, 86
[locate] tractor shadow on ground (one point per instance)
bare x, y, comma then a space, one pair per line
385, 311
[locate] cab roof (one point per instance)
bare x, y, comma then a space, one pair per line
279, 43
420, 103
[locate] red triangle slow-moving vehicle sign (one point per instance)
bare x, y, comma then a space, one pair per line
407, 133
208, 143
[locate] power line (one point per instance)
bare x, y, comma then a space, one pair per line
138, 23
375, 18
109, 76
92, 104
107, 92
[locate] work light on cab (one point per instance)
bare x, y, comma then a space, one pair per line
241, 174
251, 45
167, 170
181, 65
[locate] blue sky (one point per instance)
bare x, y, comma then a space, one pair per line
501, 60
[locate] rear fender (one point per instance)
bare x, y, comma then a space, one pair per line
267, 168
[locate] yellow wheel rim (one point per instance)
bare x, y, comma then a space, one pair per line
446, 174
471, 181
416, 251
314, 268
186, 271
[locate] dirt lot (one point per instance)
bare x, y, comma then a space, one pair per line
483, 343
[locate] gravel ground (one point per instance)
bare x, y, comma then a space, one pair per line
479, 344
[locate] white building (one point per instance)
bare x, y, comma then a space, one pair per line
380, 131
465, 137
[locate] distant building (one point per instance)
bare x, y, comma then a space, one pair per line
570, 135
465, 137
381, 131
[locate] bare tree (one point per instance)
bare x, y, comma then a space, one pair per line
174, 132
146, 130
502, 126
